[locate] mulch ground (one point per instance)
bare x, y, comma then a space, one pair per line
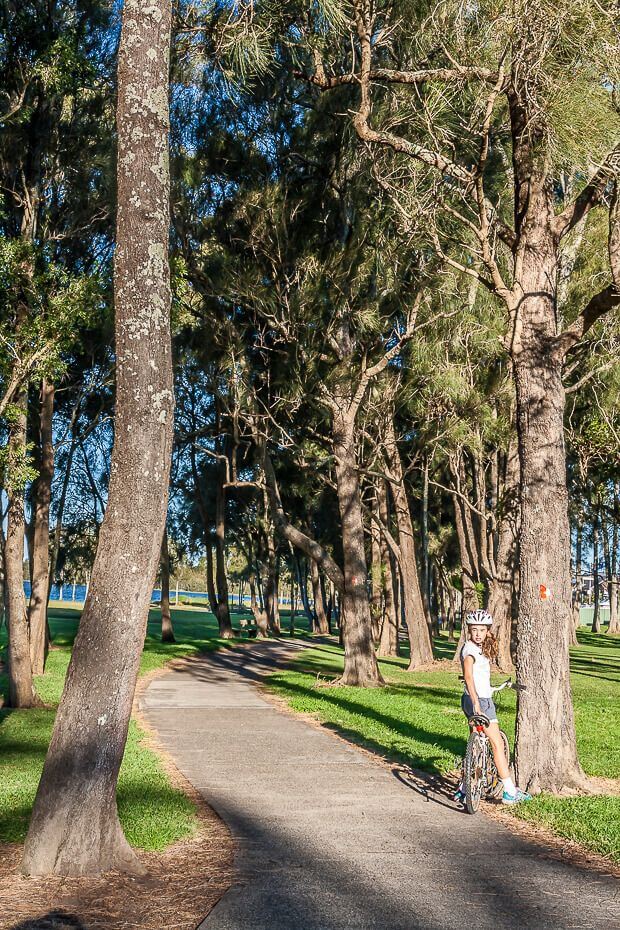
181, 886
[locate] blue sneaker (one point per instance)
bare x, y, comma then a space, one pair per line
459, 796
508, 798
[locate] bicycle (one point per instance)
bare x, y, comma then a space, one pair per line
480, 776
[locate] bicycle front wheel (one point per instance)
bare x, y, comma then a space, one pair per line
473, 771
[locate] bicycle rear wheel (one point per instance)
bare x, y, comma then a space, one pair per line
473, 770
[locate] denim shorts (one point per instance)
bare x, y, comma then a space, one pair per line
486, 706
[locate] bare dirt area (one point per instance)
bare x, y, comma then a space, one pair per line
181, 887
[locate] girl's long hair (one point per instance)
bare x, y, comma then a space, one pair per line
489, 647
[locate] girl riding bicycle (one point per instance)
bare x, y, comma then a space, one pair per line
479, 649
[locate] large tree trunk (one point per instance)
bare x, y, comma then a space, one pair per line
388, 640
546, 751
416, 617
360, 662
167, 631
21, 687
42, 496
319, 601
75, 828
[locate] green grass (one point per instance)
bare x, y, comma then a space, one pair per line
153, 813
417, 720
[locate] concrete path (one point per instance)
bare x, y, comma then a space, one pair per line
328, 839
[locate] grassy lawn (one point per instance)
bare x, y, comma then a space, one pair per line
417, 720
152, 812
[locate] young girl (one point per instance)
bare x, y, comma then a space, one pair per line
480, 647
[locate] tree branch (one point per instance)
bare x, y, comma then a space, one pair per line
590, 196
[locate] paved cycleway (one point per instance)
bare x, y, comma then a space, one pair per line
328, 839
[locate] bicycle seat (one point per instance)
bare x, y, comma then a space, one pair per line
479, 720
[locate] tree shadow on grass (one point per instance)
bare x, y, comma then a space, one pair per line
53, 920
454, 745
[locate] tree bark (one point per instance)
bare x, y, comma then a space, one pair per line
303, 590
614, 586
260, 617
388, 640
376, 581
546, 751
596, 617
271, 581
40, 555
222, 608
360, 662
416, 618
578, 578
503, 585
21, 687
319, 601
609, 570
75, 828
211, 593
167, 631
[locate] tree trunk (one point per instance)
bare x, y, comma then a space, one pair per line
503, 585
607, 557
426, 574
167, 632
39, 556
360, 662
271, 582
546, 751
303, 589
222, 609
260, 617
578, 579
614, 587
75, 828
291, 621
317, 594
469, 595
21, 686
57, 534
596, 618
376, 580
3, 590
416, 618
211, 594
388, 641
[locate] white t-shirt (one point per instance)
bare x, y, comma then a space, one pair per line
482, 669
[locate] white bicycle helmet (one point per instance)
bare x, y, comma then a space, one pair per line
479, 618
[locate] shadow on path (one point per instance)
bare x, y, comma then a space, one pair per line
329, 840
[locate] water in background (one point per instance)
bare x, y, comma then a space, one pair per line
77, 593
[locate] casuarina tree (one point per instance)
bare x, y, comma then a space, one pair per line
75, 828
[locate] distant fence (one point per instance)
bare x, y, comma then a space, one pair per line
76, 593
